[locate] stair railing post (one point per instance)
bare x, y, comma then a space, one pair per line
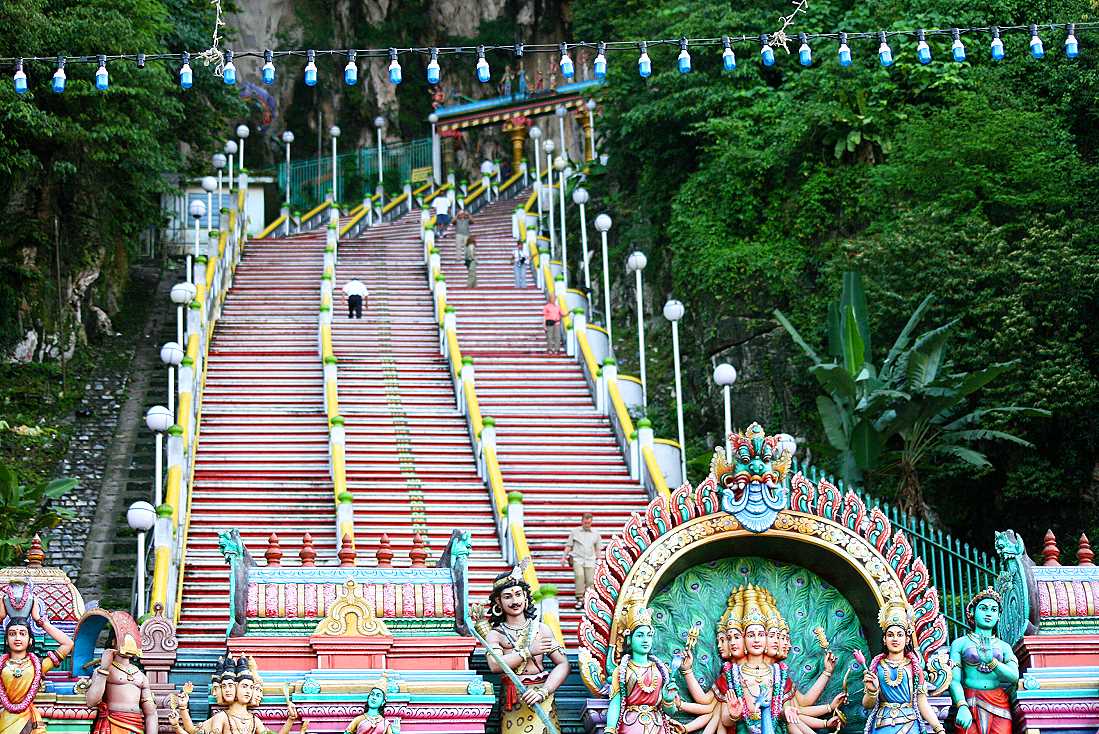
468, 378
284, 211
635, 456
434, 261
610, 377
331, 239
440, 290
487, 439
644, 440
450, 323
600, 392
515, 519
579, 326
543, 254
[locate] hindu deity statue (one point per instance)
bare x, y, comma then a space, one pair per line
984, 668
372, 720
523, 644
119, 689
895, 689
22, 671
223, 688
751, 480
642, 691
240, 689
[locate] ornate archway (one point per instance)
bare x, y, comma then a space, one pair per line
831, 532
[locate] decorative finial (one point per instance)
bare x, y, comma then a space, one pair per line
1051, 554
35, 555
347, 553
1084, 554
418, 554
273, 554
384, 554
307, 555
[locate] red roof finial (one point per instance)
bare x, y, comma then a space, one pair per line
273, 554
384, 554
1051, 554
347, 552
307, 555
418, 554
1084, 554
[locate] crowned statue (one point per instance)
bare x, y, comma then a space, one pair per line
372, 720
984, 669
523, 643
236, 685
119, 689
22, 670
895, 688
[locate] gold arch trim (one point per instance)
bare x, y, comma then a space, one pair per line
646, 574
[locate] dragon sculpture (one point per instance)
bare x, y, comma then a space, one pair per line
753, 487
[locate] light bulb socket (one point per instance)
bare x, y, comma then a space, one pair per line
1033, 29
310, 56
434, 54
600, 48
141, 61
682, 44
956, 33
843, 38
995, 31
60, 62
764, 40
518, 50
480, 52
803, 38
563, 48
643, 47
102, 59
726, 43
921, 36
392, 54
268, 55
185, 58
882, 37
19, 64
1070, 30
228, 56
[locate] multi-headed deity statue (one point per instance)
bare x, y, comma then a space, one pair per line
523, 644
237, 686
22, 671
119, 690
984, 668
372, 720
895, 689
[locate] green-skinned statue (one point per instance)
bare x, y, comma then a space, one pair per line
984, 668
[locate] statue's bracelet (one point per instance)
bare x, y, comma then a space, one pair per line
101, 671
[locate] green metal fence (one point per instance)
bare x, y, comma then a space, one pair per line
955, 568
311, 179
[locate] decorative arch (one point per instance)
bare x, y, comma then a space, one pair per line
834, 531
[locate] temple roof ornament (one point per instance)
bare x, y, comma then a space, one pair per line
351, 616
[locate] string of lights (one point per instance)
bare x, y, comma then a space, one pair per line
224, 61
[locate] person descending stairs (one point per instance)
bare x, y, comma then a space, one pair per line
262, 459
410, 465
553, 446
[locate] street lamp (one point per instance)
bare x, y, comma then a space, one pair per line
334, 131
171, 354
242, 133
210, 185
198, 211
230, 151
580, 198
561, 111
140, 517
635, 264
548, 146
436, 156
673, 311
603, 224
218, 159
536, 135
559, 164
182, 294
379, 123
287, 138
725, 376
159, 420
591, 124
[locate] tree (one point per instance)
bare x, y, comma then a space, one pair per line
25, 510
910, 413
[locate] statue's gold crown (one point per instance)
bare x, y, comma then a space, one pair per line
896, 613
634, 614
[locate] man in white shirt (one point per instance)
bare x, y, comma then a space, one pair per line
582, 550
442, 214
356, 293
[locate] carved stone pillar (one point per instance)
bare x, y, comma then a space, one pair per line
159, 647
517, 131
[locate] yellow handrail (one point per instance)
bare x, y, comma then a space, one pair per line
431, 197
477, 191
422, 189
515, 177
315, 211
272, 227
393, 203
531, 203
355, 219
659, 482
620, 411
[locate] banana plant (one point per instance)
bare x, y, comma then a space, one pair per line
26, 509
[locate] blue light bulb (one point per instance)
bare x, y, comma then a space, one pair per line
434, 73
482, 70
844, 53
767, 55
599, 67
102, 81
229, 74
394, 72
267, 73
186, 77
644, 64
1037, 49
683, 63
805, 55
923, 52
20, 79
728, 59
885, 54
1072, 47
351, 74
58, 83
957, 50
311, 74
997, 48
567, 67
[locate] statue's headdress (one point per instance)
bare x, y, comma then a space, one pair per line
897, 613
755, 609
633, 614
989, 593
515, 577
242, 671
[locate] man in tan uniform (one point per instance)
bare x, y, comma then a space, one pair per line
582, 550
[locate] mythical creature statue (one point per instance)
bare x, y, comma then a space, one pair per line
1016, 586
236, 554
984, 668
752, 486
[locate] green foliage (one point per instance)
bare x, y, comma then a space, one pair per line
754, 190
25, 509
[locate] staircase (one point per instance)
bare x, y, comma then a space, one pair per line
553, 446
262, 459
409, 462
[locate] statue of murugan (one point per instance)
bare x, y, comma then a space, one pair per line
895, 686
237, 685
984, 668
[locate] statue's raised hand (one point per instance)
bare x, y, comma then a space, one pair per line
688, 661
870, 682
734, 708
839, 700
830, 662
539, 646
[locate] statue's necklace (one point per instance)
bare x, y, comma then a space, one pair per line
17, 666
894, 673
128, 673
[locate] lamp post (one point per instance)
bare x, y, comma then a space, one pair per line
673, 311
210, 185
591, 124
287, 139
580, 198
379, 123
548, 146
561, 111
559, 164
334, 131
159, 420
218, 159
171, 354
242, 134
436, 153
603, 224
182, 294
536, 135
635, 264
230, 152
725, 376
140, 517
198, 211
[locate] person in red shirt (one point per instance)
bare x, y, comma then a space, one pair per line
551, 312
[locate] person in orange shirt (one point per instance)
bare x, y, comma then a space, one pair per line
551, 312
